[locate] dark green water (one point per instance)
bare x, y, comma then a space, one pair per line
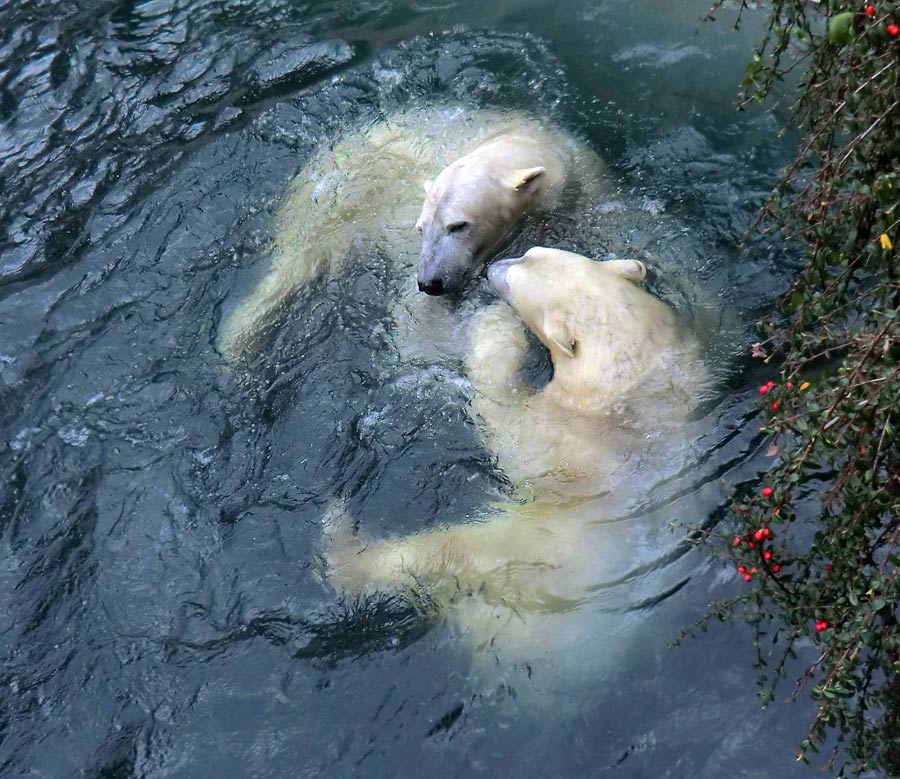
160, 524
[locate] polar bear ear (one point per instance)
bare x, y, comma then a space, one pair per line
521, 179
633, 270
559, 336
427, 185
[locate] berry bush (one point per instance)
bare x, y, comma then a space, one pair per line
816, 546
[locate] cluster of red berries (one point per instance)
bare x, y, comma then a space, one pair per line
892, 29
766, 388
758, 537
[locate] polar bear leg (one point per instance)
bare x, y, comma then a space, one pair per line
491, 558
431, 559
337, 199
243, 332
498, 345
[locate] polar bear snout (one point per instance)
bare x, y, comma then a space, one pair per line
431, 286
444, 265
497, 277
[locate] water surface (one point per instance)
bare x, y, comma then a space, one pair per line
160, 521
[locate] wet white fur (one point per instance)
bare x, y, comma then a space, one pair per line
365, 193
517, 582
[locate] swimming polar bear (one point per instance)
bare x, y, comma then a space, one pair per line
625, 372
584, 449
363, 195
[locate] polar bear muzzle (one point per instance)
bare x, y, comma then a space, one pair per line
497, 277
445, 262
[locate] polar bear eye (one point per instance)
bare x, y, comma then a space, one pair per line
457, 226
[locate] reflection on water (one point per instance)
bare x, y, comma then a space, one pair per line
160, 521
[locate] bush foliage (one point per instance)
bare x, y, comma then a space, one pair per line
818, 541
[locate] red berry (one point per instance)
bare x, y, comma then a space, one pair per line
748, 578
823, 625
770, 384
752, 570
738, 541
789, 385
767, 492
776, 568
767, 555
767, 533
759, 535
763, 389
775, 406
870, 10
893, 30
829, 567
742, 569
751, 545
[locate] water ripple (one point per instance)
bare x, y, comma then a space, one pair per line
160, 523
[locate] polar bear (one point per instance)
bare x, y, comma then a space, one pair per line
583, 449
363, 196
625, 372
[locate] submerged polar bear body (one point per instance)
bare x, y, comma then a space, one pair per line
364, 195
586, 449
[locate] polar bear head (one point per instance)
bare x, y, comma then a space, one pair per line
602, 329
475, 202
564, 297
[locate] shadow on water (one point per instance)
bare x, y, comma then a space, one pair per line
160, 523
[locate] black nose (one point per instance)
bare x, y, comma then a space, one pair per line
433, 287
